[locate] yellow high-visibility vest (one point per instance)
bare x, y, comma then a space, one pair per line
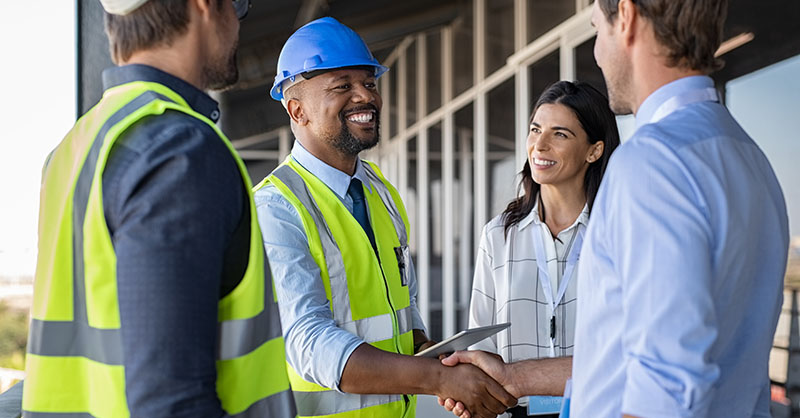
75, 356
368, 294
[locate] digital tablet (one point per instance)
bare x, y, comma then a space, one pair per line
462, 340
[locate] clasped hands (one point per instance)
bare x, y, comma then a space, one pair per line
470, 402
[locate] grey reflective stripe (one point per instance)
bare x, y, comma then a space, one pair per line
47, 337
331, 402
372, 329
404, 321
278, 405
238, 337
75, 339
388, 201
29, 414
333, 256
379, 327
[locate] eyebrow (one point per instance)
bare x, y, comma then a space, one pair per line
344, 77
556, 128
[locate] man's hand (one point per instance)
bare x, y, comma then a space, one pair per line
490, 363
479, 394
528, 377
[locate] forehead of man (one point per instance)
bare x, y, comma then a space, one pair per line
341, 75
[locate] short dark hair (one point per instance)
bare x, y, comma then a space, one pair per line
155, 23
691, 30
597, 120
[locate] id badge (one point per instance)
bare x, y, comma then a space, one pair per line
403, 260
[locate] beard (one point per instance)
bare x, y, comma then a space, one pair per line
224, 73
618, 82
347, 143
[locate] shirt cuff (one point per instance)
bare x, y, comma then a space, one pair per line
651, 393
343, 358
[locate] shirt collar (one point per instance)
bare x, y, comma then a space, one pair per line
533, 217
674, 88
337, 180
197, 99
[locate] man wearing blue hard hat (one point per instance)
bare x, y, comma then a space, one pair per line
336, 234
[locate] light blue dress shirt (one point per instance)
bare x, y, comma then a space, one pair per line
315, 347
681, 276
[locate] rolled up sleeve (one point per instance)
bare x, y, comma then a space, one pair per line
315, 347
670, 324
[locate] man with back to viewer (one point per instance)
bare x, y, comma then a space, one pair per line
152, 295
684, 266
681, 277
336, 233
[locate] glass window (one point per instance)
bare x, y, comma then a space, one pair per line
542, 74
410, 198
435, 222
411, 84
765, 104
392, 74
501, 166
499, 33
463, 39
544, 15
464, 215
586, 68
433, 54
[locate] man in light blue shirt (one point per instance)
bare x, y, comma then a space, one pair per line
681, 280
681, 276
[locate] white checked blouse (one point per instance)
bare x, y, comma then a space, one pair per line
506, 288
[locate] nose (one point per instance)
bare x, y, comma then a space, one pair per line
362, 94
538, 142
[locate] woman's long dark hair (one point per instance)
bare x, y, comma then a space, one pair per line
596, 119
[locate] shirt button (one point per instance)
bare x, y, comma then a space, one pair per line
215, 115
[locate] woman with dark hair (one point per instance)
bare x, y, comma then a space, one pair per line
525, 269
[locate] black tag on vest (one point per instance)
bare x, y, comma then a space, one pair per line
403, 256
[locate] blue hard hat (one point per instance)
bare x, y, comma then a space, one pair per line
322, 44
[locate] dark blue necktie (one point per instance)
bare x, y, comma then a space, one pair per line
356, 192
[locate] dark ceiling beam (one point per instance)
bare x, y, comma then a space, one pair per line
310, 10
257, 60
380, 34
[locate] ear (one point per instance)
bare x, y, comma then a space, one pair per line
203, 8
296, 112
627, 20
596, 152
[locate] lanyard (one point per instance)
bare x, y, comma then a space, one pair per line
544, 278
708, 94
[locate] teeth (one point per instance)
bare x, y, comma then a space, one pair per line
543, 162
360, 117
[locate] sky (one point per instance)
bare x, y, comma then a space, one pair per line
37, 73
38, 79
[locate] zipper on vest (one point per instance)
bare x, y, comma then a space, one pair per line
395, 323
396, 333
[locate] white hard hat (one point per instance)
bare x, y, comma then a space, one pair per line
121, 7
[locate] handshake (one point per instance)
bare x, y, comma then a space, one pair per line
479, 384
482, 385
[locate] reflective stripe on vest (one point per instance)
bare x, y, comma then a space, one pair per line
386, 196
330, 402
74, 365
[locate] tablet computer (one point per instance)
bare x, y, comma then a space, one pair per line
462, 340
